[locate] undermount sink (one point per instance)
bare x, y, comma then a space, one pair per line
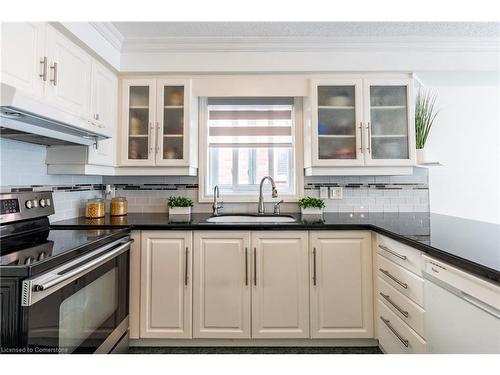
237, 219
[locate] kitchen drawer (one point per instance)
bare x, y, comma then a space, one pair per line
404, 255
401, 279
408, 311
408, 342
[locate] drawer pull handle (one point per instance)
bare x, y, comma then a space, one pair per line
388, 299
385, 248
246, 265
396, 333
395, 279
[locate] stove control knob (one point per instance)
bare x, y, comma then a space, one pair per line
48, 202
35, 203
42, 203
29, 204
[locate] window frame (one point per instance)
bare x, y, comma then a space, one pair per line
205, 196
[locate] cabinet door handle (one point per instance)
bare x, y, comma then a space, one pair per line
392, 252
395, 279
186, 267
396, 333
150, 135
369, 140
314, 266
54, 74
43, 63
255, 266
157, 138
361, 136
246, 266
388, 299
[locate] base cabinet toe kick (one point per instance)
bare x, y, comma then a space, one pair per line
279, 288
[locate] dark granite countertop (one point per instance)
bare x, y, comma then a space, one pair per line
467, 244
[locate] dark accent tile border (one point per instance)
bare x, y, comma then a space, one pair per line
89, 187
367, 186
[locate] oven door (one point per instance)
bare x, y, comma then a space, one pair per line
80, 307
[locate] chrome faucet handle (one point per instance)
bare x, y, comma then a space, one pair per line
217, 205
277, 207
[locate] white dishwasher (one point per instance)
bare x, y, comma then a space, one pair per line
462, 311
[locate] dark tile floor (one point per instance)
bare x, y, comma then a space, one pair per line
255, 350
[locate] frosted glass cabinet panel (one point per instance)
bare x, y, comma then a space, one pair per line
390, 124
336, 126
138, 120
173, 122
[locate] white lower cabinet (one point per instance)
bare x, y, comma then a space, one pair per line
256, 285
221, 303
280, 292
341, 284
166, 284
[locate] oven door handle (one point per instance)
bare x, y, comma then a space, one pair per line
80, 270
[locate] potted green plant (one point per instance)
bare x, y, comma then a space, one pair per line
311, 206
425, 115
179, 206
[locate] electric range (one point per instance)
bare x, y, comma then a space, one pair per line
62, 290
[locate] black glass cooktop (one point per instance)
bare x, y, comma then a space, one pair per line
37, 251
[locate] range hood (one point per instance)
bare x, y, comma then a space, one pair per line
28, 119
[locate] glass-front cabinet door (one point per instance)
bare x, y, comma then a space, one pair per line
337, 122
138, 146
389, 122
172, 120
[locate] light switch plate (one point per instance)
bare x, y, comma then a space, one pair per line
323, 192
336, 192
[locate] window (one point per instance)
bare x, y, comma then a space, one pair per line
247, 139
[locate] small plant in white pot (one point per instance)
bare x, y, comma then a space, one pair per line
311, 206
425, 115
179, 206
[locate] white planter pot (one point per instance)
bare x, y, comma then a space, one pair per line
421, 155
179, 211
311, 211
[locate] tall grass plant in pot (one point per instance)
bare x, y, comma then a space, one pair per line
425, 114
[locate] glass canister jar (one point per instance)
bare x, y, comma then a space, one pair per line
119, 206
95, 208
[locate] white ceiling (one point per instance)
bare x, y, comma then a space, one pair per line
147, 30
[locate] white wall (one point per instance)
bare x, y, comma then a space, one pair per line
466, 140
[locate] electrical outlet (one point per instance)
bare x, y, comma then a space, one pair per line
323, 192
336, 192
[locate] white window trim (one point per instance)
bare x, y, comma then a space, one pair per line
298, 160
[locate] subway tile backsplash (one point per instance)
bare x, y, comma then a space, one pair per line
23, 168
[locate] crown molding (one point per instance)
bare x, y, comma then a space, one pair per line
109, 32
303, 44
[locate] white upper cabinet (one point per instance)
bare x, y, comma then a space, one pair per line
389, 122
158, 126
24, 64
69, 74
338, 119
103, 114
360, 123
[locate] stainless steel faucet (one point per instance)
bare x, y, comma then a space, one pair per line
217, 205
260, 209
